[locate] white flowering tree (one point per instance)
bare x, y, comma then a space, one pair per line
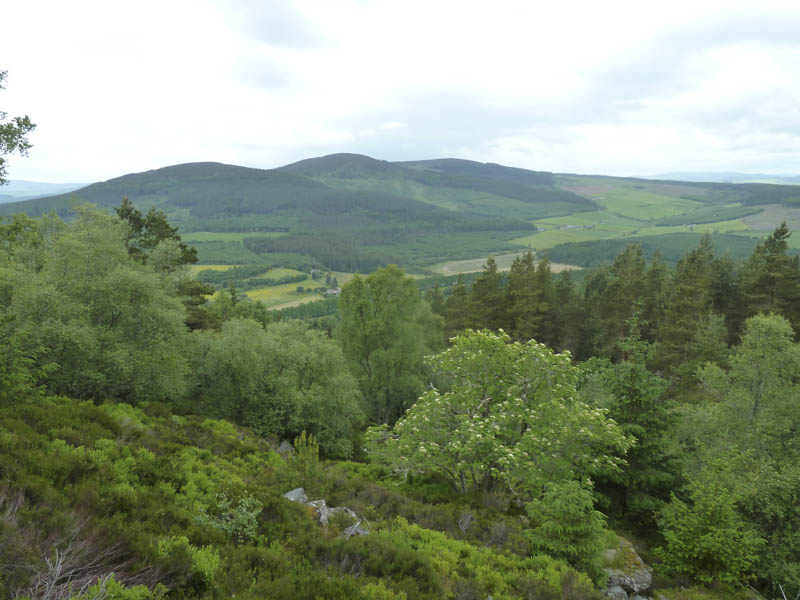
507, 418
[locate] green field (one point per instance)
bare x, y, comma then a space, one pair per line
195, 269
643, 205
476, 265
227, 236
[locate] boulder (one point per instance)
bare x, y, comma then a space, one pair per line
616, 593
634, 576
297, 495
323, 512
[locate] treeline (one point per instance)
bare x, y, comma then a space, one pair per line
709, 214
671, 247
531, 302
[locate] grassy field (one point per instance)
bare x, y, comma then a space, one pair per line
227, 236
476, 264
551, 237
643, 205
195, 269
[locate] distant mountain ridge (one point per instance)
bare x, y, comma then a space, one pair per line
16, 190
727, 177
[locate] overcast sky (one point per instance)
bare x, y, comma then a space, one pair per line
617, 88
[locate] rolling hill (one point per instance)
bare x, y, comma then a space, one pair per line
351, 212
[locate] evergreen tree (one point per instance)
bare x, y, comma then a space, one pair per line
655, 288
456, 318
622, 295
146, 232
771, 278
634, 397
567, 314
688, 304
486, 308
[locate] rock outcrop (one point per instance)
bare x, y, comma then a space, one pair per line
323, 512
631, 578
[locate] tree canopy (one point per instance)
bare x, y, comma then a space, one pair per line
13, 134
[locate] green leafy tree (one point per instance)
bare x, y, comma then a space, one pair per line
748, 421
707, 539
279, 382
78, 302
385, 330
508, 419
13, 134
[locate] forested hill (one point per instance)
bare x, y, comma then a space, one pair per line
351, 212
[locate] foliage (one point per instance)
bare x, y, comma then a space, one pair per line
508, 419
635, 399
240, 521
279, 382
385, 330
564, 524
148, 231
13, 134
708, 540
97, 323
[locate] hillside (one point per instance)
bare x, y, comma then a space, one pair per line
350, 212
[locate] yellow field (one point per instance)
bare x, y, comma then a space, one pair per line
277, 295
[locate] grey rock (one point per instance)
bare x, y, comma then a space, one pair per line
297, 495
285, 448
616, 593
638, 597
355, 529
636, 576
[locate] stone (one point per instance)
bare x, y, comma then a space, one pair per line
616, 593
297, 495
285, 448
638, 597
635, 576
355, 529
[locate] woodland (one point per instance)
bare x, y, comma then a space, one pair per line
496, 436
478, 436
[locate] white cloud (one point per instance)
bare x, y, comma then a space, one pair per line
619, 88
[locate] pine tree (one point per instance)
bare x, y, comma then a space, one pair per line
771, 278
689, 302
456, 309
486, 307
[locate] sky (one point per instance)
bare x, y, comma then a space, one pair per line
614, 88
